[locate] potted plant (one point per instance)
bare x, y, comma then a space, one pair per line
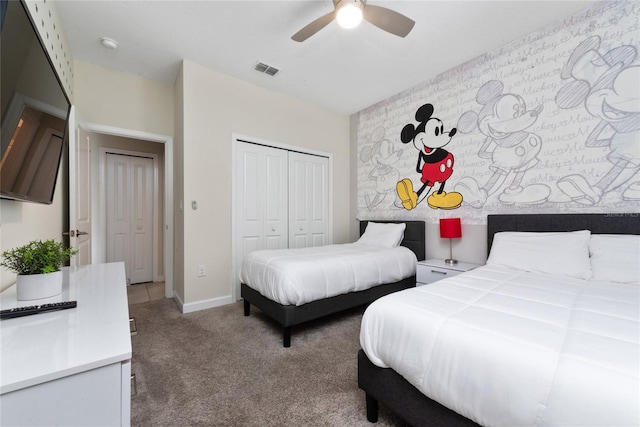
37, 265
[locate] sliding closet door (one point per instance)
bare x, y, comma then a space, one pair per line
261, 182
308, 200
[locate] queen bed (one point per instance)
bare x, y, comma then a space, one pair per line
298, 285
547, 333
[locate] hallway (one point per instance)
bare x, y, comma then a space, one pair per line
145, 292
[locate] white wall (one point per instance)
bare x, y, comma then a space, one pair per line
122, 100
214, 107
23, 222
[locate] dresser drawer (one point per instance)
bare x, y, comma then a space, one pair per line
432, 270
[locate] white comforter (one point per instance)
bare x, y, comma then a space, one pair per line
508, 348
299, 276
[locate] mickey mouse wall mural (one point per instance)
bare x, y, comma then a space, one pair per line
607, 83
503, 119
435, 164
382, 155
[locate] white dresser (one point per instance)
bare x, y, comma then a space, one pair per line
69, 367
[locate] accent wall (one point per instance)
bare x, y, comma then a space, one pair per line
547, 123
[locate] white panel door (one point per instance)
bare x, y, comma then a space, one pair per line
261, 200
308, 200
130, 215
142, 220
79, 191
118, 211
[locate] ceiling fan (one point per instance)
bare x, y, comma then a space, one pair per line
349, 13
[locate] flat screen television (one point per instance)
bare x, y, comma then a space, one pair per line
35, 111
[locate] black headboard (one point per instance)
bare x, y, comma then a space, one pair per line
611, 223
414, 236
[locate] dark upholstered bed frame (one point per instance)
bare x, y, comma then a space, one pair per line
291, 315
392, 390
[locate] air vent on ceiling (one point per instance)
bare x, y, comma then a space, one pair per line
266, 68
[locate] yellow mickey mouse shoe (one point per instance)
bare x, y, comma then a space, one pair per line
406, 194
445, 200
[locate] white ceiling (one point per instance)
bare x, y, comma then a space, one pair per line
342, 70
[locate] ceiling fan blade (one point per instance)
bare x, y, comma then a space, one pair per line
388, 20
314, 27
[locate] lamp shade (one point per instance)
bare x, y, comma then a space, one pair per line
450, 228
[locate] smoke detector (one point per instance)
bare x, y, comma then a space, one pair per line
109, 43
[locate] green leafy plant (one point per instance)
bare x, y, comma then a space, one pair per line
37, 257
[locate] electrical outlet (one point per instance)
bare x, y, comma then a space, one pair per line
202, 270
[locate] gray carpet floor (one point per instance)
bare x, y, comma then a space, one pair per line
217, 367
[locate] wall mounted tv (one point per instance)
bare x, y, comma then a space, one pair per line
35, 111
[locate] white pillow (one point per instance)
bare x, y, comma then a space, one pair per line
379, 234
563, 253
615, 257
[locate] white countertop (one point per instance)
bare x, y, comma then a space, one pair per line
46, 346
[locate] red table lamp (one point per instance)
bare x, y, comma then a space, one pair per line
450, 228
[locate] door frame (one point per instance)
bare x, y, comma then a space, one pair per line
102, 215
168, 188
237, 138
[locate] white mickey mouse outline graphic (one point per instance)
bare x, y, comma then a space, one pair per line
503, 119
382, 156
609, 87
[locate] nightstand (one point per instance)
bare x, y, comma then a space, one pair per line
432, 270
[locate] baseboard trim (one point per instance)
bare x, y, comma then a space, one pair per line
202, 305
178, 301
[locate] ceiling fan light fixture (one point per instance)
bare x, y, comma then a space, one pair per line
350, 14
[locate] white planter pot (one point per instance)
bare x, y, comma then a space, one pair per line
37, 286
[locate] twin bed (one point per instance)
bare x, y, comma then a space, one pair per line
547, 333
299, 285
